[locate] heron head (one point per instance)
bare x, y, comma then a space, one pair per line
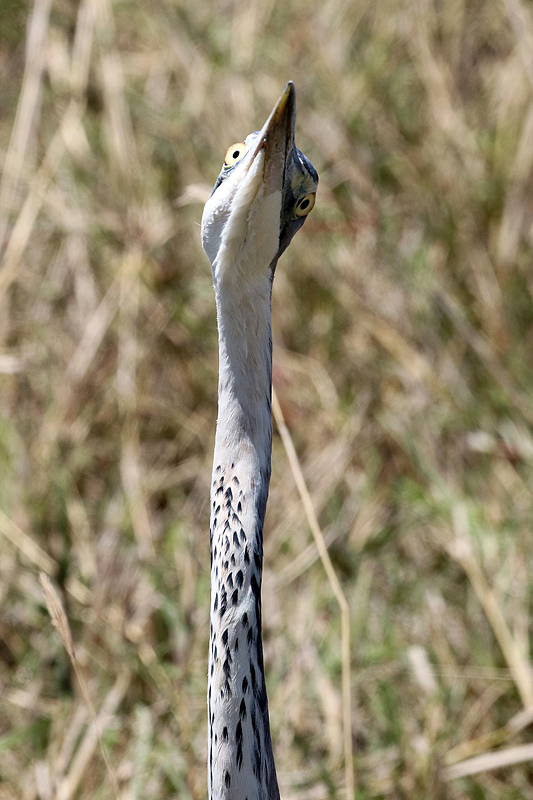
264, 192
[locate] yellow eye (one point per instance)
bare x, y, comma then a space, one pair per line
305, 204
233, 154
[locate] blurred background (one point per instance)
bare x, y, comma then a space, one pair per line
403, 349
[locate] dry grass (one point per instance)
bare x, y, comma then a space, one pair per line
403, 318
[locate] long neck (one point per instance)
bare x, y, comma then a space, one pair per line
241, 764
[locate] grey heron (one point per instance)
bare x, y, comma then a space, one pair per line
261, 198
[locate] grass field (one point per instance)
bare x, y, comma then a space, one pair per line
403, 354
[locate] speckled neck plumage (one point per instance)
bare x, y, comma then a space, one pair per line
241, 765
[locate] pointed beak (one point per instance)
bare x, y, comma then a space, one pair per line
277, 141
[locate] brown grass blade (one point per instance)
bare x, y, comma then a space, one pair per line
489, 761
335, 585
60, 622
27, 110
461, 550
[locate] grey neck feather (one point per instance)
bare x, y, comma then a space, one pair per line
241, 764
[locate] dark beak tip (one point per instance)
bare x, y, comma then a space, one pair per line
285, 109
277, 135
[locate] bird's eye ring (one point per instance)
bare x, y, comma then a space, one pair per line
233, 154
305, 204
